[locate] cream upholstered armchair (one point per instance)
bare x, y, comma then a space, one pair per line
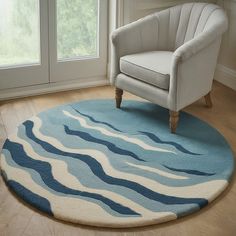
169, 57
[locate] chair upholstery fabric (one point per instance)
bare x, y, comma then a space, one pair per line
192, 32
150, 67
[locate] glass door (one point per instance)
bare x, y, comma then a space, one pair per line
23, 43
78, 39
46, 41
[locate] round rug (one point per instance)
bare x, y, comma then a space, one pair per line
91, 163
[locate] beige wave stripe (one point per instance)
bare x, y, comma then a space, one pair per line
61, 174
157, 171
120, 136
208, 190
78, 210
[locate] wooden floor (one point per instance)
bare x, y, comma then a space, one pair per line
219, 218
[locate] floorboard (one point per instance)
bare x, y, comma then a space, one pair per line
219, 218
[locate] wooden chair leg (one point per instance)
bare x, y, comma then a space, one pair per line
208, 100
174, 119
119, 93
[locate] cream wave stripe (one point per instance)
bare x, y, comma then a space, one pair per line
69, 180
157, 171
207, 190
106, 132
151, 136
75, 205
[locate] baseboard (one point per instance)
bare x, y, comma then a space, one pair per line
226, 76
52, 87
223, 75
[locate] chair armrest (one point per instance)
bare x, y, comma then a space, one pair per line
133, 38
194, 63
192, 74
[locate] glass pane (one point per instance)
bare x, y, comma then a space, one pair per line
77, 22
19, 32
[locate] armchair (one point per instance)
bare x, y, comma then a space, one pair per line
169, 57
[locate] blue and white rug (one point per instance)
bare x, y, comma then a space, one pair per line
91, 163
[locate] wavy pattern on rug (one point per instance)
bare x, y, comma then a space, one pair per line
150, 135
90, 163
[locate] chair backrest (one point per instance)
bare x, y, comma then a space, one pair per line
182, 23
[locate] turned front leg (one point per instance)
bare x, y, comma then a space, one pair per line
174, 119
119, 93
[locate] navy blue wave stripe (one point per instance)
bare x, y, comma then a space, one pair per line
45, 171
112, 147
34, 199
191, 172
96, 121
97, 169
154, 138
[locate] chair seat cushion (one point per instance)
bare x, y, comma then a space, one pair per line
150, 67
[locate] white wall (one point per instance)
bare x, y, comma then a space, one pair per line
135, 9
226, 69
